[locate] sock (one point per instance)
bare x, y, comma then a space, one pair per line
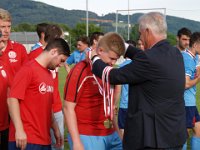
195, 143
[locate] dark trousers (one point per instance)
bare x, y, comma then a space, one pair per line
4, 140
12, 146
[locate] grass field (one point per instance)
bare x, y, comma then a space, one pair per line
62, 78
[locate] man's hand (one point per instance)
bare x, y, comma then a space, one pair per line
59, 138
197, 71
67, 67
21, 139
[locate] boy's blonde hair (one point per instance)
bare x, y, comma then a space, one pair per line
5, 15
112, 41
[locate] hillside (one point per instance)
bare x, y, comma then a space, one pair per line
27, 11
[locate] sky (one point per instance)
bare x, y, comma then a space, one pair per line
189, 9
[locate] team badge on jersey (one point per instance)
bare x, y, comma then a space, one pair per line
12, 55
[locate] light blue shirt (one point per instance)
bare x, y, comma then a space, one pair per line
76, 57
190, 63
125, 88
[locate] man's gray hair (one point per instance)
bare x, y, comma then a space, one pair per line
156, 22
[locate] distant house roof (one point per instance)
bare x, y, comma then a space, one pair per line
24, 37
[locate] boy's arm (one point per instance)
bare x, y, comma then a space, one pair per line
71, 121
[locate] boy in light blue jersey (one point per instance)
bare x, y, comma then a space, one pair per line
123, 105
79, 54
123, 94
191, 61
76, 57
40, 29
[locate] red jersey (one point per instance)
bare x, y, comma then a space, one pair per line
57, 104
82, 89
35, 53
33, 87
15, 55
5, 80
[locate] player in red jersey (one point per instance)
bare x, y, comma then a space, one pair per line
14, 54
5, 80
52, 32
30, 100
84, 107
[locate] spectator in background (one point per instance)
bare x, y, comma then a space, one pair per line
31, 97
79, 54
52, 31
156, 112
183, 38
191, 79
94, 38
40, 28
131, 42
140, 44
121, 95
13, 54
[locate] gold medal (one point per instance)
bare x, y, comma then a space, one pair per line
108, 124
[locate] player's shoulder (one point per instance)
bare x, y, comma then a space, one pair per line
187, 56
29, 64
16, 45
82, 64
79, 68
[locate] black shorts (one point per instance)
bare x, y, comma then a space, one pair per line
192, 116
122, 117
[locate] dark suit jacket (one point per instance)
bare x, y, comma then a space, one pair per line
156, 113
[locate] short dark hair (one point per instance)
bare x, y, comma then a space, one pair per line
84, 39
61, 45
195, 37
41, 27
95, 36
184, 31
53, 31
131, 42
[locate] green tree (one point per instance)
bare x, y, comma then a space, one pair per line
80, 30
134, 34
171, 38
24, 27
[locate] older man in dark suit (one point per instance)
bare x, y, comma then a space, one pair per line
156, 78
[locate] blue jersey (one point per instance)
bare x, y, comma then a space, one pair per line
76, 57
125, 89
190, 63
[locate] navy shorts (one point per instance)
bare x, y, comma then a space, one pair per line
12, 146
122, 117
192, 116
